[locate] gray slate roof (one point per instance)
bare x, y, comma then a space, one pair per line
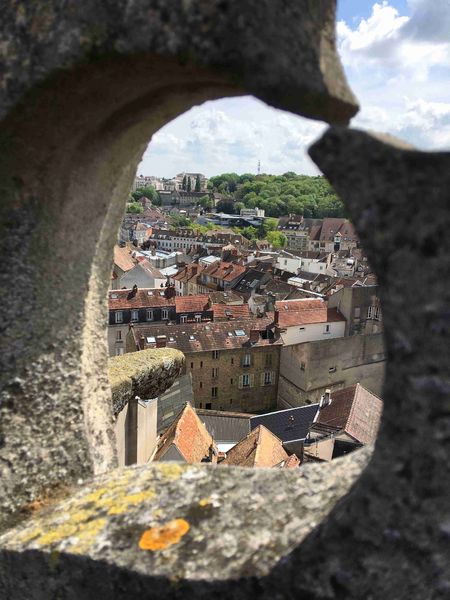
290, 424
225, 427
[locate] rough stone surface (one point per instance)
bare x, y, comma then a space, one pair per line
146, 374
240, 526
283, 51
84, 87
79, 103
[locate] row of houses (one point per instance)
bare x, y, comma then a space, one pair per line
338, 424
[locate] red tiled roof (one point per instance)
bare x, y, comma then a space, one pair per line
144, 298
260, 448
123, 259
187, 273
202, 337
355, 410
224, 270
305, 312
191, 303
190, 437
225, 311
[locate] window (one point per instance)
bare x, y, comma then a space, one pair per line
164, 314
198, 318
327, 329
267, 378
183, 318
377, 313
268, 360
119, 351
302, 366
201, 364
149, 315
246, 360
118, 335
192, 365
245, 380
213, 392
119, 316
332, 370
201, 404
301, 329
357, 312
201, 385
370, 312
134, 316
231, 401
215, 372
208, 406
232, 361
215, 354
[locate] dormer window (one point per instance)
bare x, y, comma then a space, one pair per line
119, 316
134, 316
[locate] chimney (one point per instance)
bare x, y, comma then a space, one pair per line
161, 341
325, 400
276, 316
254, 336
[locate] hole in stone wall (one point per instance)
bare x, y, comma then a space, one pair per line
235, 250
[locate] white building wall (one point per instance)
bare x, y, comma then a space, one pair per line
313, 332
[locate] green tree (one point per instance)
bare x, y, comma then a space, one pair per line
188, 187
145, 192
197, 184
205, 202
183, 185
134, 207
276, 238
238, 206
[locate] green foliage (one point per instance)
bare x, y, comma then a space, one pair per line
180, 221
205, 202
183, 185
238, 206
189, 185
276, 238
147, 192
134, 207
226, 206
281, 195
197, 184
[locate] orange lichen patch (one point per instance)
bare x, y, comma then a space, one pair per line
160, 538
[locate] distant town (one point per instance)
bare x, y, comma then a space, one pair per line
261, 282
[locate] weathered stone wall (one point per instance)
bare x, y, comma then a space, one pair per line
85, 85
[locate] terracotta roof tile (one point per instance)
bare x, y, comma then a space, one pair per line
123, 259
224, 270
144, 298
226, 311
355, 410
260, 448
198, 303
190, 437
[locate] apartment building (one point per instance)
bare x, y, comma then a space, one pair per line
234, 364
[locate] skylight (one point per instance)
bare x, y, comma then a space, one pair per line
151, 340
239, 332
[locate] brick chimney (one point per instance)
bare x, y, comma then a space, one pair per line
161, 341
254, 336
276, 316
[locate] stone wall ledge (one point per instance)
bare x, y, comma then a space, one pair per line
206, 523
146, 374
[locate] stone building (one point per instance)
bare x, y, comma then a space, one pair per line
361, 307
234, 364
308, 369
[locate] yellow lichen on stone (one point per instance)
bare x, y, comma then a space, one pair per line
130, 500
170, 470
204, 502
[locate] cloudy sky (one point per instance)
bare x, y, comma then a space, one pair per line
396, 54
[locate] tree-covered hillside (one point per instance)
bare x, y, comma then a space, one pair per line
280, 195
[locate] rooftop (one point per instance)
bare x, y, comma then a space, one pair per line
290, 424
260, 448
142, 298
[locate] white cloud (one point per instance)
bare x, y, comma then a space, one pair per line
398, 65
399, 69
